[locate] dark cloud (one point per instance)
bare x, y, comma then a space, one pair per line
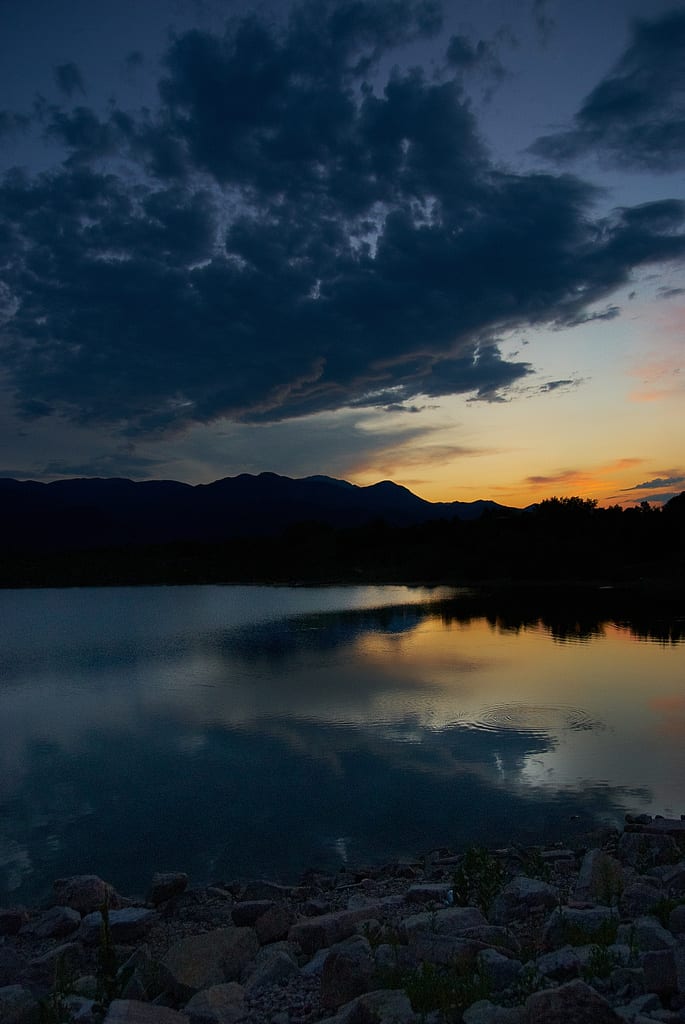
544, 21
288, 233
656, 483
635, 117
69, 80
12, 124
464, 55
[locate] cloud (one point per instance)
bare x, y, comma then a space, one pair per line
290, 233
658, 482
635, 117
68, 79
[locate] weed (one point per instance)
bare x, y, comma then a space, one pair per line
447, 990
53, 1009
662, 909
533, 864
529, 980
581, 935
479, 878
601, 963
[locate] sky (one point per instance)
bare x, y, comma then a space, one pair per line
437, 243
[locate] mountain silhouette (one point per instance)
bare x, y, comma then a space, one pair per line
94, 513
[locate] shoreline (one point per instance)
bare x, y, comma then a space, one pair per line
586, 928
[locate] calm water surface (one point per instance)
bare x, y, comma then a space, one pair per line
233, 731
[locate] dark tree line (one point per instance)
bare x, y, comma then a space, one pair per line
559, 540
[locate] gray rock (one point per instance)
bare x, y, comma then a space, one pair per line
448, 921
346, 973
642, 850
166, 885
573, 1003
673, 879
318, 932
426, 947
485, 1012
84, 893
12, 919
246, 912
200, 961
12, 965
600, 879
501, 971
55, 923
262, 890
659, 971
220, 1004
270, 970
646, 933
275, 924
384, 1006
316, 907
127, 925
575, 925
18, 1006
676, 920
639, 898
428, 892
563, 964
494, 935
130, 1011
521, 897
679, 959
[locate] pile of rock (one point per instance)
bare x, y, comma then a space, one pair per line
573, 935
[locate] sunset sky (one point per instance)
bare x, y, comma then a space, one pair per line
441, 244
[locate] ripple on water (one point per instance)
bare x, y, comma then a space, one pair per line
541, 719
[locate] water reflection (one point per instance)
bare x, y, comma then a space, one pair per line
195, 736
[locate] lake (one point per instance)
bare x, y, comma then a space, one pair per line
257, 731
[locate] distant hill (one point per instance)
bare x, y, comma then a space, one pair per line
95, 513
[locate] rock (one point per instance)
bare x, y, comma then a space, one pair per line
449, 921
384, 1006
563, 964
262, 890
575, 926
84, 893
646, 933
659, 971
639, 897
213, 958
270, 970
521, 897
428, 893
275, 924
42, 968
494, 935
246, 912
316, 907
573, 1003
427, 947
127, 925
600, 879
641, 850
167, 885
12, 919
220, 1004
56, 923
676, 920
12, 965
318, 932
673, 879
485, 1012
130, 1011
18, 1006
500, 971
346, 974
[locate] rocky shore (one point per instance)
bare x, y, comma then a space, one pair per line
590, 934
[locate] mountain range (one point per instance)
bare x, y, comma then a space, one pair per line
93, 513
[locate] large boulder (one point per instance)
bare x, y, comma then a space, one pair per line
573, 1003
220, 1004
200, 961
131, 1011
347, 973
522, 897
126, 925
85, 893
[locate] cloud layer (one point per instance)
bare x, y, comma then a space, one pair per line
293, 230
